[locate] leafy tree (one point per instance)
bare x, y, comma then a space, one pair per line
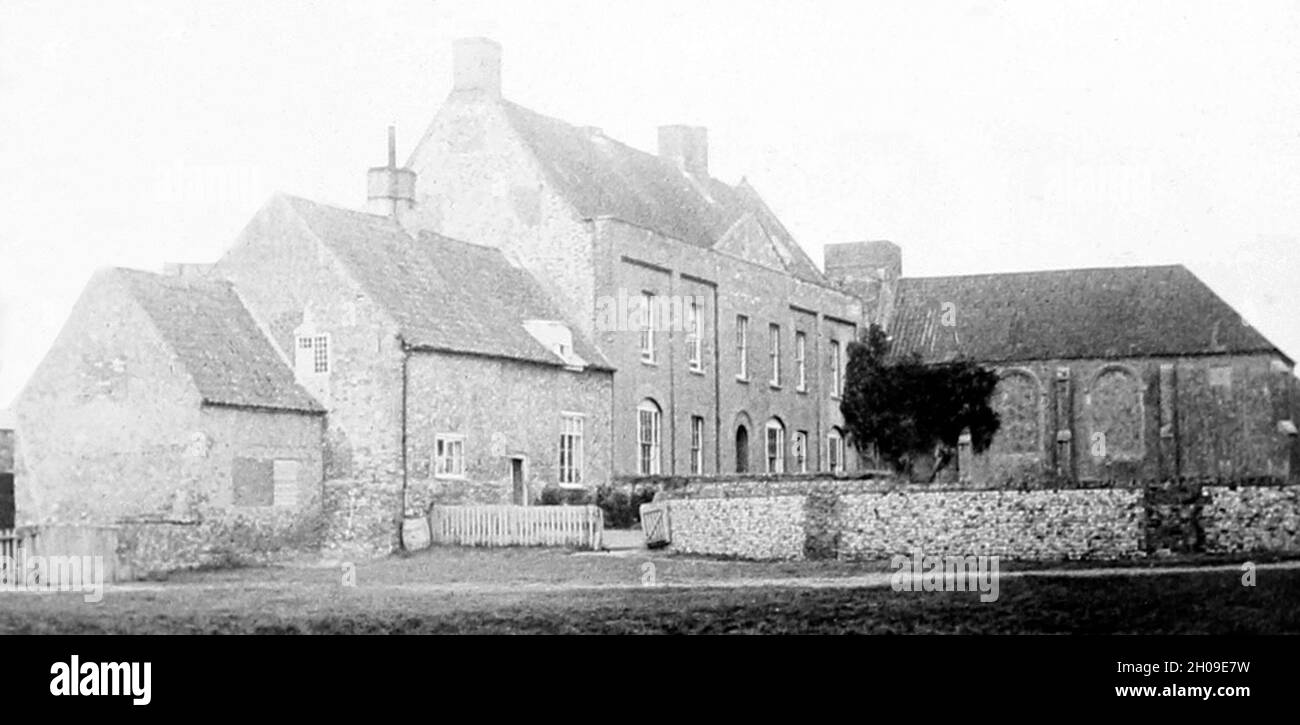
909, 410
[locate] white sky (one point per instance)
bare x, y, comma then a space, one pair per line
981, 136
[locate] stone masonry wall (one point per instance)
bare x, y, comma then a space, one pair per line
1053, 524
877, 518
769, 527
1248, 519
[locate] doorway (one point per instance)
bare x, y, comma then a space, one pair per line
6, 500
518, 486
742, 449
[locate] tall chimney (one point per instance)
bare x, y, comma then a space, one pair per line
390, 191
476, 66
687, 147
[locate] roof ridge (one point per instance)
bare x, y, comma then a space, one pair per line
1058, 270
336, 207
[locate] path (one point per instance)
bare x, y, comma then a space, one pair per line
859, 581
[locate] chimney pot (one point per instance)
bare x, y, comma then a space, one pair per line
390, 191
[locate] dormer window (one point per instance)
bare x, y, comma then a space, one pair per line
556, 337
312, 354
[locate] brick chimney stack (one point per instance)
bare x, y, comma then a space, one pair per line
687, 147
476, 66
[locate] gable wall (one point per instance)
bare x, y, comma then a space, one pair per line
290, 282
103, 423
477, 182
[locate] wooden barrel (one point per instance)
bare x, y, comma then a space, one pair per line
415, 533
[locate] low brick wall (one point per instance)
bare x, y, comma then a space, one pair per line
1045, 525
1251, 518
756, 527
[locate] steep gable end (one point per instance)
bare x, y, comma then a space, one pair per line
602, 177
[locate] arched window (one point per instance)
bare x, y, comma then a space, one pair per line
742, 448
1115, 403
775, 446
648, 424
1017, 402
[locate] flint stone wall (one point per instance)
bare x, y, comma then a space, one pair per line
756, 527
1251, 518
1051, 524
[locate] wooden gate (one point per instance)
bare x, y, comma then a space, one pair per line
654, 522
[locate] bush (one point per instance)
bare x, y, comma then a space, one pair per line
557, 496
621, 510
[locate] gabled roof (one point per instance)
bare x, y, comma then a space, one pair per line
217, 342
602, 177
443, 294
1074, 313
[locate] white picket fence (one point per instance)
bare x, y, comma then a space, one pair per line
577, 527
12, 542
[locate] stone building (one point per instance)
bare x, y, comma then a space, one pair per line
161, 400
448, 373
727, 339
1121, 374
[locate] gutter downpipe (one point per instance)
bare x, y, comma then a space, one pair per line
401, 519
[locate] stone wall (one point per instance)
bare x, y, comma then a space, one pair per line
758, 527
503, 410
878, 517
744, 486
1050, 524
150, 548
1248, 519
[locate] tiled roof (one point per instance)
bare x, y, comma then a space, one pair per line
602, 177
1075, 313
442, 293
217, 342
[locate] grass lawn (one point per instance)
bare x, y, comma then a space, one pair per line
533, 591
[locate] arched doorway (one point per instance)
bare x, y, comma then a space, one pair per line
742, 449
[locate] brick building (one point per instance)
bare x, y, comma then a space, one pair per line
1110, 374
727, 339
